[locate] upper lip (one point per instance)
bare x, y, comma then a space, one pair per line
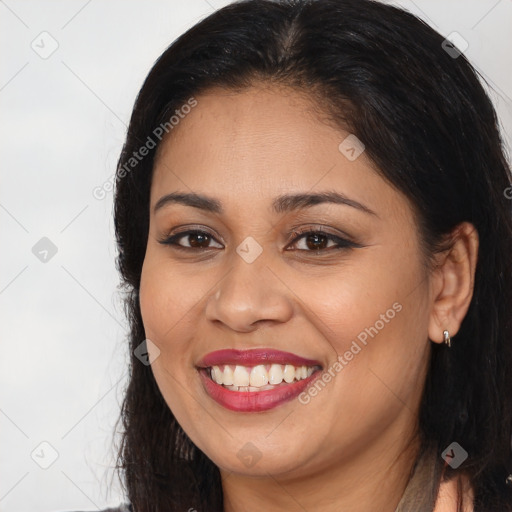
254, 357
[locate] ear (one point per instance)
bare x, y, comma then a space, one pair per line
452, 283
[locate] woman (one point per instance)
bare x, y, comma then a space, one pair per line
314, 236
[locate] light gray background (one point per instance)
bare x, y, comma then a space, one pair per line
63, 120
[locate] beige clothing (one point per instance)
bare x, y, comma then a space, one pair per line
448, 496
423, 494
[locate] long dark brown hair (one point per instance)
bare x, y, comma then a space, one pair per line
432, 132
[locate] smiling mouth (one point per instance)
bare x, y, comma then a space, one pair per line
255, 380
260, 377
247, 398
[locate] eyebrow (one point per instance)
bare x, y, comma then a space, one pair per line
281, 204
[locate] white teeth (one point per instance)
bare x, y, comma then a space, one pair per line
260, 377
228, 378
240, 376
289, 373
263, 388
218, 375
275, 374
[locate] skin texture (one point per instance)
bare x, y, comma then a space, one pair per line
352, 446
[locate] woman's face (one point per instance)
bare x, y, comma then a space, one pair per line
353, 299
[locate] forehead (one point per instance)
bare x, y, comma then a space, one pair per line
260, 143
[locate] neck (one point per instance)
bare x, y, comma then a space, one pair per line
376, 480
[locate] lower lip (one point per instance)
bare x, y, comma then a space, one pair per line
254, 401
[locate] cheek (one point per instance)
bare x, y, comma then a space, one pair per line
374, 317
163, 300
345, 304
167, 317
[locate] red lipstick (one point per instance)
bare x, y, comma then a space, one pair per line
254, 401
254, 357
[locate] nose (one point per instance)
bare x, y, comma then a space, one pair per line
248, 297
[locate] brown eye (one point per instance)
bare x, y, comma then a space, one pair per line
196, 240
318, 240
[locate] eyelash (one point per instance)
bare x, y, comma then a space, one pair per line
342, 243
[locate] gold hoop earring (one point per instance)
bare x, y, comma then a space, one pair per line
447, 338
